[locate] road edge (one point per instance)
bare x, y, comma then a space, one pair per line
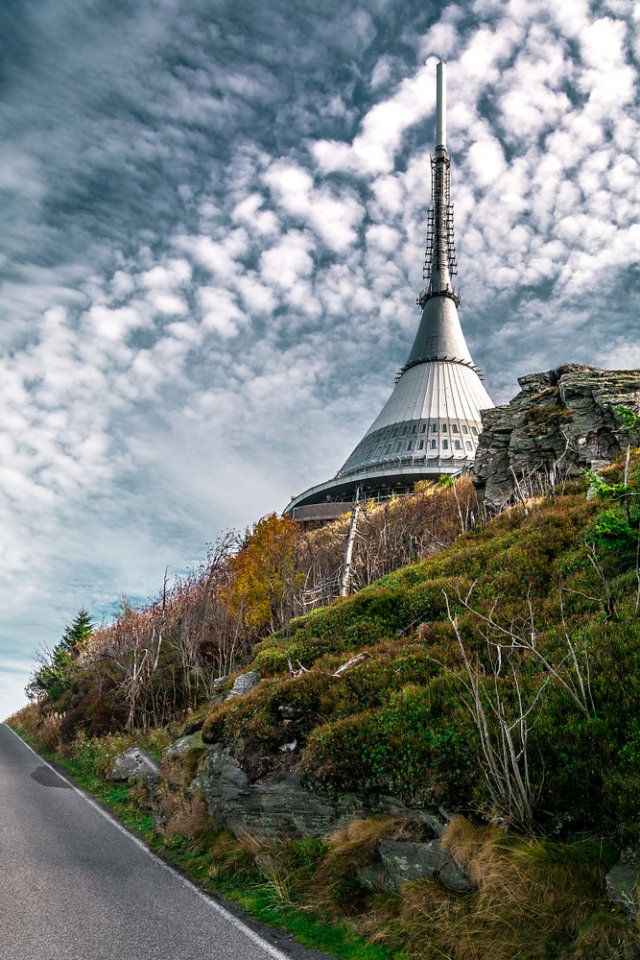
241, 923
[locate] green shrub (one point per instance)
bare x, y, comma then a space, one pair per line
398, 748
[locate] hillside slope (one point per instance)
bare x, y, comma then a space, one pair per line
537, 608
498, 679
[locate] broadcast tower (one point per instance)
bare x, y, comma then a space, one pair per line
429, 426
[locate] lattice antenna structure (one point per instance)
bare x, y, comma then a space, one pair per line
440, 263
440, 211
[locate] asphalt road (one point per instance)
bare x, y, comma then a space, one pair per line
74, 885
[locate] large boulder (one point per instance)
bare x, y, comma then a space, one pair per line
281, 806
270, 809
404, 861
135, 764
562, 423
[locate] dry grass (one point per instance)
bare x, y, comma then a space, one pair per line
533, 898
49, 730
140, 792
45, 727
232, 856
473, 847
606, 936
335, 882
378, 923
27, 718
185, 816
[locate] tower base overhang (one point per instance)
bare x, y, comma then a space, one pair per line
334, 497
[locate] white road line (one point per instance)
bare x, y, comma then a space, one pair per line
216, 907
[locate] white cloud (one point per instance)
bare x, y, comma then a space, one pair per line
167, 276
116, 324
335, 217
220, 311
250, 211
486, 159
288, 262
602, 43
443, 37
373, 150
162, 301
382, 71
383, 238
122, 285
221, 257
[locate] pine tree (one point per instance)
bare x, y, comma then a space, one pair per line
54, 678
80, 630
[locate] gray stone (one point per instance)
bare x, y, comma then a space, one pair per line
270, 809
134, 764
283, 806
404, 861
244, 684
455, 879
434, 822
412, 861
560, 424
219, 694
221, 781
349, 806
622, 887
182, 745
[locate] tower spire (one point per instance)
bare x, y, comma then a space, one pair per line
441, 107
440, 254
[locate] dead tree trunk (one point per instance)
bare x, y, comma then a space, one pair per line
347, 571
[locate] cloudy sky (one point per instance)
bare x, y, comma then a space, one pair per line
212, 219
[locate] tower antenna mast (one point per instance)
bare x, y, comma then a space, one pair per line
440, 264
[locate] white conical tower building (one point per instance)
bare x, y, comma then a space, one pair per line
430, 423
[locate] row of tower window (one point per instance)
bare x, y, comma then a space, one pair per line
423, 445
444, 428
418, 436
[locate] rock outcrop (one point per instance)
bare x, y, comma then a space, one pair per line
562, 423
244, 684
180, 747
282, 806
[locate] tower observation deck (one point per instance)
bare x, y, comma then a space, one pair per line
429, 426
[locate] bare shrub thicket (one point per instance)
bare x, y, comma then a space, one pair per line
163, 658
505, 688
388, 536
158, 662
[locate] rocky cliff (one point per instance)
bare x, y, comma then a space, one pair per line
562, 423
